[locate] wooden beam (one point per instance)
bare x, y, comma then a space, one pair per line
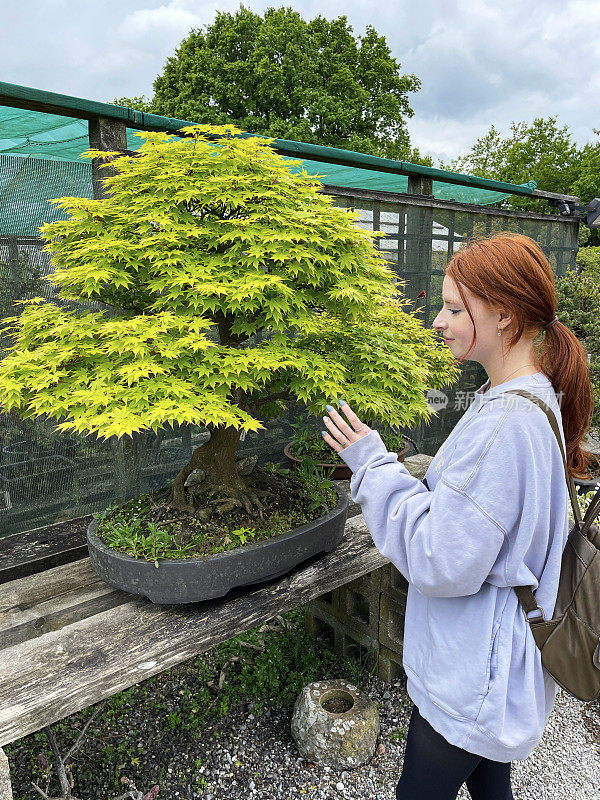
451, 205
541, 195
5, 790
32, 551
46, 678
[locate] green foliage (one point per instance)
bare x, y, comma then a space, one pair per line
540, 151
201, 247
139, 103
361, 664
584, 503
587, 184
316, 483
307, 441
588, 261
282, 76
278, 673
579, 310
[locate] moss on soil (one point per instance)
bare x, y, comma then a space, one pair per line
148, 527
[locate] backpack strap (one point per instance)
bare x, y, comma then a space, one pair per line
525, 593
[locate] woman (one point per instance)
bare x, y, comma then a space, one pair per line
491, 514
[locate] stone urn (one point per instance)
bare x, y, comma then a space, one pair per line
335, 725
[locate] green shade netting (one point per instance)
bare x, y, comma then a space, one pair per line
48, 165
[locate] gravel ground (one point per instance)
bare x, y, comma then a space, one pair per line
248, 755
566, 763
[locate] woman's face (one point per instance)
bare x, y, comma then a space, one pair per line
454, 323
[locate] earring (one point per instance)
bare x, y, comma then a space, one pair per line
499, 331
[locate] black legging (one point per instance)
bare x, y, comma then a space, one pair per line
435, 770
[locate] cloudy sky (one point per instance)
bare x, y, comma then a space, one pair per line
480, 62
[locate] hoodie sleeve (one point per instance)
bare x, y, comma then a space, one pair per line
446, 541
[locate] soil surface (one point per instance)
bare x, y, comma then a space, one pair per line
287, 504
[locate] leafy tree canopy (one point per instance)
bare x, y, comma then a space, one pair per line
281, 76
235, 286
587, 183
541, 151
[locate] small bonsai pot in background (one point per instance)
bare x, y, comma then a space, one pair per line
24, 450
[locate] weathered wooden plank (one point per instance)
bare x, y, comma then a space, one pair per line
5, 789
23, 554
27, 592
46, 679
420, 184
18, 625
554, 196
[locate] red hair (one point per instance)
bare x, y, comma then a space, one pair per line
509, 271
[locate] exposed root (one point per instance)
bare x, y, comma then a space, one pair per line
239, 498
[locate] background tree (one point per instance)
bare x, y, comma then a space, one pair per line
281, 76
587, 184
238, 287
540, 151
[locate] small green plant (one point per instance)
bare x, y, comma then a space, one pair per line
307, 442
357, 664
397, 735
174, 720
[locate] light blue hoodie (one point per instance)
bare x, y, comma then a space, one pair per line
495, 516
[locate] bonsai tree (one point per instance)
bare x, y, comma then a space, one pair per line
234, 287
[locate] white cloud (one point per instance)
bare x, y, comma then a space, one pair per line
513, 62
480, 62
148, 22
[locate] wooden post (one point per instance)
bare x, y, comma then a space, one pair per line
5, 790
105, 134
111, 134
127, 479
13, 255
419, 231
420, 184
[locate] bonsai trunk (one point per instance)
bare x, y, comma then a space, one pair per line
216, 458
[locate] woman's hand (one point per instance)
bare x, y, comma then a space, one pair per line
341, 434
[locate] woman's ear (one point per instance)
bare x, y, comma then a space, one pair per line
504, 319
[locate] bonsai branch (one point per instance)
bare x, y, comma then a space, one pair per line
270, 398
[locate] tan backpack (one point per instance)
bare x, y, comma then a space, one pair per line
570, 641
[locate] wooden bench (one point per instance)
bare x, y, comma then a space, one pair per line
68, 640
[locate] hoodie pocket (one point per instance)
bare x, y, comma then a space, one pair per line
461, 656
493, 659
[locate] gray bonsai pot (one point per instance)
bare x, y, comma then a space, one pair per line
189, 580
